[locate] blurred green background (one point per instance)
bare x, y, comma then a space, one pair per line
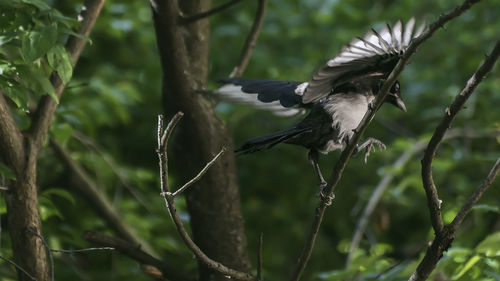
114, 98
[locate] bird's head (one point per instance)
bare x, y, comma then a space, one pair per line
394, 97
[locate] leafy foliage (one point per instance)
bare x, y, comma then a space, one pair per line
108, 113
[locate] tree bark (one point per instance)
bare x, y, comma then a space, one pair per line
213, 203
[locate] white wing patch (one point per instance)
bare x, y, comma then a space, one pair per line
387, 41
234, 94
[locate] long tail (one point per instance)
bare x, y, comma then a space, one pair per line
269, 140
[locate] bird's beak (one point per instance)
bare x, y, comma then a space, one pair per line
400, 104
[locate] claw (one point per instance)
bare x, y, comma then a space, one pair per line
328, 199
370, 144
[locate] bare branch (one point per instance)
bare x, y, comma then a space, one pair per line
445, 235
83, 184
46, 108
348, 151
387, 179
251, 40
199, 175
478, 193
169, 202
134, 252
259, 258
377, 195
193, 18
18, 267
83, 250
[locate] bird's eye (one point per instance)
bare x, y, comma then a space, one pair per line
395, 88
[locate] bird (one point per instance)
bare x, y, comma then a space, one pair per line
337, 96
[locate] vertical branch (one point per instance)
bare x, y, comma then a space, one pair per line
169, 197
251, 40
444, 235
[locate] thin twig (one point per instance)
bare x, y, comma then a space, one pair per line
49, 250
135, 252
475, 197
251, 40
259, 258
200, 174
377, 195
348, 151
18, 267
91, 145
170, 204
444, 236
83, 250
193, 18
430, 152
387, 179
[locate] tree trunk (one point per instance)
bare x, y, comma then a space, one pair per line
213, 203
24, 222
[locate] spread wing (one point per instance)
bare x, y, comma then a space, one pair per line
282, 98
376, 54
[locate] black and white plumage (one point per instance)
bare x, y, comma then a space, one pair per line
338, 95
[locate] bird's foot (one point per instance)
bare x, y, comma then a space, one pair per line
370, 144
327, 198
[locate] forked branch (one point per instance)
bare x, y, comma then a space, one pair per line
444, 235
163, 136
193, 18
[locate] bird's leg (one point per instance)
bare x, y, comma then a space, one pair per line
313, 159
369, 144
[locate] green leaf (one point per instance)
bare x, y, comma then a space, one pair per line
61, 193
41, 5
490, 246
36, 81
6, 172
470, 263
15, 92
60, 61
48, 209
62, 133
38, 42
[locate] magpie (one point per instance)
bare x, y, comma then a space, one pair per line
337, 96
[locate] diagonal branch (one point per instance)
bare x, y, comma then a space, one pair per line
446, 234
428, 182
135, 252
46, 108
82, 183
193, 18
348, 151
387, 179
251, 40
169, 202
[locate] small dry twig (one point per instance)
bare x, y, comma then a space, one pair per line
168, 196
251, 40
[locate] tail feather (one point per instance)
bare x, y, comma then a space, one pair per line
269, 140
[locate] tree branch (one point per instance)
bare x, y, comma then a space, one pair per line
251, 40
428, 182
46, 108
348, 151
387, 179
11, 140
170, 204
193, 18
81, 182
445, 235
135, 252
